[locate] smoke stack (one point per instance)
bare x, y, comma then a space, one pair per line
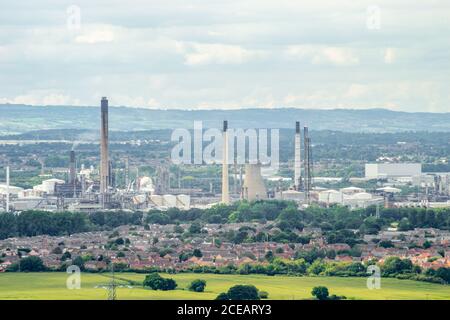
7, 189
104, 161
225, 191
72, 172
297, 157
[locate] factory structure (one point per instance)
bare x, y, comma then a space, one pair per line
392, 170
90, 189
93, 189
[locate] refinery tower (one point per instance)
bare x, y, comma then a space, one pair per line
104, 161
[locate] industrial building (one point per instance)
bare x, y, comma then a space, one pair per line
351, 197
392, 170
94, 188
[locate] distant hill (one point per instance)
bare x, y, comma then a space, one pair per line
16, 119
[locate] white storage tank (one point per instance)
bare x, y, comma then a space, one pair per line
157, 200
330, 196
184, 201
48, 186
170, 200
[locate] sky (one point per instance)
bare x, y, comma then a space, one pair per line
228, 54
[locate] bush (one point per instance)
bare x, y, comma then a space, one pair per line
395, 265
222, 296
197, 285
335, 297
156, 282
320, 292
243, 292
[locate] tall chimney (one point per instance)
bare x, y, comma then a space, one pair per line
7, 189
72, 172
104, 161
297, 158
225, 191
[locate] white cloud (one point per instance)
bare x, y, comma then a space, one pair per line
356, 90
390, 55
42, 97
95, 35
339, 56
202, 54
227, 54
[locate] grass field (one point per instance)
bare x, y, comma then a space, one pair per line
53, 286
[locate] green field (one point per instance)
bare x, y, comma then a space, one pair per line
53, 286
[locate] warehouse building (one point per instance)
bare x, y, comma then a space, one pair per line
392, 170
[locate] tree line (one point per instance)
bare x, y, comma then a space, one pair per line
337, 222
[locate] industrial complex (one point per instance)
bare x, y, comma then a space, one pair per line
95, 188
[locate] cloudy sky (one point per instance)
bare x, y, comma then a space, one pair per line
227, 53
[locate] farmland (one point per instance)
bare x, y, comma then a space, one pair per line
49, 286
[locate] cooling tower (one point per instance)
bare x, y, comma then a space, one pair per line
253, 188
104, 161
72, 172
297, 158
225, 191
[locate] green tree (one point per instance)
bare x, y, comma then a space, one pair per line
178, 229
66, 255
31, 264
316, 267
320, 292
386, 244
197, 285
395, 265
269, 256
195, 228
427, 244
243, 292
222, 296
197, 253
156, 282
79, 261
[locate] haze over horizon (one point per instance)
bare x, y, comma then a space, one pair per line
227, 55
162, 108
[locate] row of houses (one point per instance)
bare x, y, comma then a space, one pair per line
159, 246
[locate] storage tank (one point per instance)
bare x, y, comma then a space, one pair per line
352, 190
183, 201
157, 200
48, 186
293, 195
12, 189
139, 199
170, 200
330, 196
